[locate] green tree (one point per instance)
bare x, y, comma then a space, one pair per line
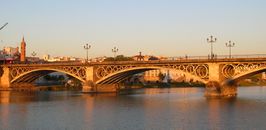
123, 58
119, 58
109, 59
47, 77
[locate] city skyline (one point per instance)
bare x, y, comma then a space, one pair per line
163, 28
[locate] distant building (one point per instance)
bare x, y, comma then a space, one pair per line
60, 59
9, 55
33, 59
263, 77
11, 51
55, 59
2, 57
153, 75
46, 57
162, 58
73, 59
98, 59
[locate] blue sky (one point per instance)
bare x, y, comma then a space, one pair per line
155, 27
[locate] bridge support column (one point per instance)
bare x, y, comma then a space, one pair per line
216, 89
5, 78
216, 86
89, 85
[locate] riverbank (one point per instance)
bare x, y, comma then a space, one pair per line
42, 88
131, 86
166, 85
248, 83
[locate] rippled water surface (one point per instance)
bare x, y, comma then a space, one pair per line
176, 108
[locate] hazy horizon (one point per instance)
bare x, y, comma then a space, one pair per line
154, 27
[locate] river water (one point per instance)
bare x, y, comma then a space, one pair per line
175, 108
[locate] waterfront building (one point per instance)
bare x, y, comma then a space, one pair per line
9, 55
153, 76
98, 59
2, 57
46, 57
33, 59
263, 77
60, 59
55, 59
11, 51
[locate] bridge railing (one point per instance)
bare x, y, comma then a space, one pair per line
220, 58
216, 57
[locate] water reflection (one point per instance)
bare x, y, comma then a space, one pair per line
5, 97
4, 116
178, 108
183, 91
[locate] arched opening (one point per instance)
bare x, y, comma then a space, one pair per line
250, 78
125, 75
45, 77
230, 85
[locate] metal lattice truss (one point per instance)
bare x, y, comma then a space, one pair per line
234, 70
105, 70
199, 70
75, 71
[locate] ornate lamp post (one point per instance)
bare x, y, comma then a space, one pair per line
33, 53
115, 50
211, 40
230, 44
87, 47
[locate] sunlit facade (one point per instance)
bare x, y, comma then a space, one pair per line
153, 75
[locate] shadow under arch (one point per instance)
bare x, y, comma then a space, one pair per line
120, 76
37, 73
248, 74
242, 76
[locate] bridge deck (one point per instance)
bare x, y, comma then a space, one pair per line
144, 62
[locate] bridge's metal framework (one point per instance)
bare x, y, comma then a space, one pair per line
30, 73
107, 74
115, 72
220, 76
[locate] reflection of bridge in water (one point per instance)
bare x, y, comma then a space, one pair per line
219, 75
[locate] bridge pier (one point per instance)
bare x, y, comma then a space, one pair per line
88, 87
218, 85
5, 78
216, 89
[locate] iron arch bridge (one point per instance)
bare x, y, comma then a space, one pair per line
118, 73
210, 72
29, 73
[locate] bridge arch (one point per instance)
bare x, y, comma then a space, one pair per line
121, 75
39, 73
248, 74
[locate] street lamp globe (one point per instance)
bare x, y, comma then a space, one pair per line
87, 47
211, 40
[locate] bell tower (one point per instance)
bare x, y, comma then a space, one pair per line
23, 50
